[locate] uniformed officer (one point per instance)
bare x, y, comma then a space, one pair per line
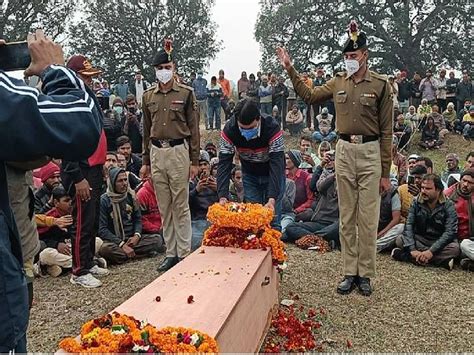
171, 153
364, 109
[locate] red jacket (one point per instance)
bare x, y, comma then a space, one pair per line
151, 218
462, 211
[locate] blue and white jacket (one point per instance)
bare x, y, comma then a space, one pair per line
64, 122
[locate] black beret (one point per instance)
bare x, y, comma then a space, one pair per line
360, 43
162, 58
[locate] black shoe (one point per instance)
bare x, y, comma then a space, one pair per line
347, 285
448, 264
397, 254
363, 283
167, 264
467, 264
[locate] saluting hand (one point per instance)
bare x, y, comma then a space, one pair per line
284, 57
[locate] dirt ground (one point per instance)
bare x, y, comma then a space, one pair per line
413, 309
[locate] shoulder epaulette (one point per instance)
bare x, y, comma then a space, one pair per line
341, 73
376, 75
181, 85
151, 88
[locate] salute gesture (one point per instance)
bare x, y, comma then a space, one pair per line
284, 57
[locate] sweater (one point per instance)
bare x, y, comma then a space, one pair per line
261, 156
465, 215
327, 208
151, 218
304, 197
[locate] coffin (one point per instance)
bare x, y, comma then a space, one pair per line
234, 293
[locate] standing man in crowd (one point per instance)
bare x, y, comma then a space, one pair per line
364, 109
83, 181
138, 87
200, 90
171, 153
31, 130
227, 92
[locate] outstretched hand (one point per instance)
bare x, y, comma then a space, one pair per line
284, 57
43, 52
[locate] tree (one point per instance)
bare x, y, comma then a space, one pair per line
123, 35
408, 34
19, 17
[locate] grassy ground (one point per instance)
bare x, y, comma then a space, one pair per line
413, 309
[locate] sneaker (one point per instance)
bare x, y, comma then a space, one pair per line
397, 254
467, 264
101, 262
449, 264
54, 270
38, 270
98, 271
87, 281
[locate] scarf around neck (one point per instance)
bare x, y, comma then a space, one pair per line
116, 199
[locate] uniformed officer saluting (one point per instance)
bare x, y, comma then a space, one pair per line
171, 153
364, 111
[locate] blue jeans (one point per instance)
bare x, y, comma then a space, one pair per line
198, 227
286, 220
266, 109
214, 115
256, 191
319, 137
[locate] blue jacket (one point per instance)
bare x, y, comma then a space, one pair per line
64, 122
214, 94
200, 89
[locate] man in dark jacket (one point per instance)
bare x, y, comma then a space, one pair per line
280, 94
83, 181
325, 219
464, 90
430, 235
49, 175
415, 98
134, 162
132, 124
259, 142
404, 93
202, 194
35, 125
120, 223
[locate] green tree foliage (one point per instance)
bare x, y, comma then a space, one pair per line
19, 17
122, 35
407, 34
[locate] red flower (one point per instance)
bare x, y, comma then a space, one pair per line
190, 299
349, 344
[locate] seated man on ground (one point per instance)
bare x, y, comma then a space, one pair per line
462, 195
324, 127
399, 162
467, 124
450, 116
56, 240
423, 111
410, 190
389, 220
133, 180
439, 122
49, 175
452, 168
236, 188
325, 219
304, 196
202, 194
458, 126
294, 120
410, 163
427, 163
430, 236
402, 131
120, 225
151, 217
308, 153
134, 162
211, 149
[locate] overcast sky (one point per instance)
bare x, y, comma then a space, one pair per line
236, 23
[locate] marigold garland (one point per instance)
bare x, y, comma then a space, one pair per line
245, 226
118, 333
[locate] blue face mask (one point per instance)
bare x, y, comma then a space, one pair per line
249, 134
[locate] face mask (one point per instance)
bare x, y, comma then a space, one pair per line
249, 134
118, 109
164, 75
352, 66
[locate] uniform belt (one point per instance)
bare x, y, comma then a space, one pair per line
360, 139
166, 143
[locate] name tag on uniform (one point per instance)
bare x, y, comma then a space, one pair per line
178, 102
368, 95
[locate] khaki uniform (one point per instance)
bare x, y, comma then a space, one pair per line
365, 108
169, 116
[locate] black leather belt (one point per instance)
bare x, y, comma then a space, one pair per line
350, 138
166, 143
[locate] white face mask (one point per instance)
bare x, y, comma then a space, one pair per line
164, 75
352, 66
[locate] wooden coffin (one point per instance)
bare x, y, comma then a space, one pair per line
234, 293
